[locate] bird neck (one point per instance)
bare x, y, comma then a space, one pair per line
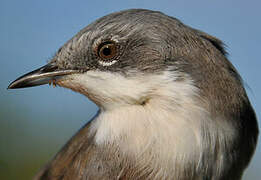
171, 131
164, 126
163, 122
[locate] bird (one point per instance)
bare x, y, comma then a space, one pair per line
171, 104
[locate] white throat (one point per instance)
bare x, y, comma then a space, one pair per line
151, 114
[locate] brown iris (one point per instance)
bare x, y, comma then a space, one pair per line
107, 50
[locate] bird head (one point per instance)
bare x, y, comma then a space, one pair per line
128, 57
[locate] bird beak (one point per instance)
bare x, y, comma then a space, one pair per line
44, 75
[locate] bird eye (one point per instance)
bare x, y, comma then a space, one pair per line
107, 50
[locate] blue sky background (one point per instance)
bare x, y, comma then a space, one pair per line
36, 122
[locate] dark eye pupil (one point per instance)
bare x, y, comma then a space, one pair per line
106, 51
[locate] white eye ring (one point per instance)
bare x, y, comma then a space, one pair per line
103, 63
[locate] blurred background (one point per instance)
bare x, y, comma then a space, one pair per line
36, 122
